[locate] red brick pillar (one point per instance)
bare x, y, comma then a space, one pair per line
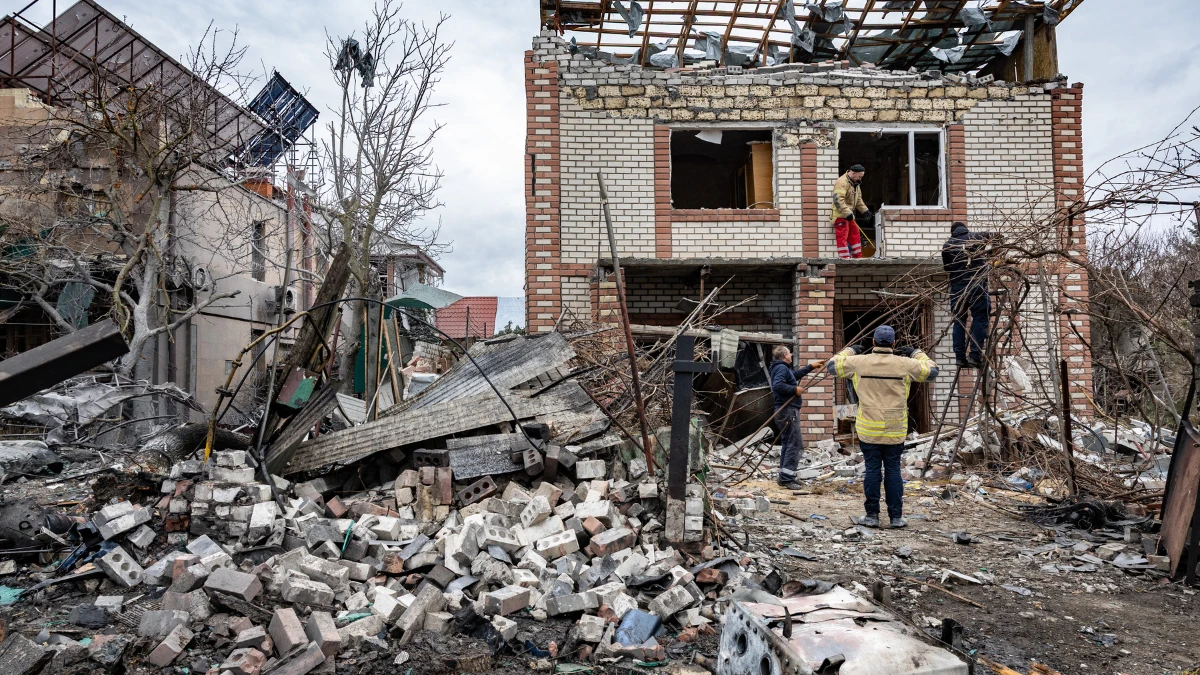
810, 209
662, 191
1074, 326
813, 297
543, 284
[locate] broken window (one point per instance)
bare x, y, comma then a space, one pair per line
903, 168
722, 169
258, 251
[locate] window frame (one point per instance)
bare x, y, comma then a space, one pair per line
943, 196
725, 214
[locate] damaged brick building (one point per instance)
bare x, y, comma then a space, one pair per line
720, 172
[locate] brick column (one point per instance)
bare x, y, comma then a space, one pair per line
810, 206
956, 173
813, 312
662, 191
543, 286
1074, 326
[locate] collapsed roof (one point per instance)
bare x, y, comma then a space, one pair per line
54, 55
946, 35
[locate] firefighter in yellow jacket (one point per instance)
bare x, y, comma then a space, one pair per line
847, 202
882, 380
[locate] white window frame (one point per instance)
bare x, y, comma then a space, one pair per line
912, 175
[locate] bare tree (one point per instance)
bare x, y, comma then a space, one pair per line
378, 151
109, 168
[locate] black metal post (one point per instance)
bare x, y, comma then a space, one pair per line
685, 368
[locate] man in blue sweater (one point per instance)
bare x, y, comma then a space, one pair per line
785, 387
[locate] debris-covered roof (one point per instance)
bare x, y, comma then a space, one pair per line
951, 35
54, 55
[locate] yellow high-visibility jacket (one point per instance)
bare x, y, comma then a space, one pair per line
847, 198
882, 380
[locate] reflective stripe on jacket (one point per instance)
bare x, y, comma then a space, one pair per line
847, 198
882, 380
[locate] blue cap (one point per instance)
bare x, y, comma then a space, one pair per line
884, 335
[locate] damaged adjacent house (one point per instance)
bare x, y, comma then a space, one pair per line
721, 130
228, 223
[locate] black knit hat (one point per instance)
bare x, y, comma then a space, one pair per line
857, 167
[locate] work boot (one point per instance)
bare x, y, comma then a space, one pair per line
790, 485
962, 362
898, 523
869, 521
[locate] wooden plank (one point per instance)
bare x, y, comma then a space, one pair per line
301, 423
307, 351
1183, 482
443, 419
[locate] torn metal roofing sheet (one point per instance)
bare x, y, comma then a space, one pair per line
435, 421
506, 365
892, 34
422, 296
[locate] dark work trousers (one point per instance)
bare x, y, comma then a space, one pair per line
787, 419
886, 457
970, 300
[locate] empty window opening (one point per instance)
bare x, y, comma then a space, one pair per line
722, 169
858, 327
258, 250
903, 168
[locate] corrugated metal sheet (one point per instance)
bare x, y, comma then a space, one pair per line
507, 365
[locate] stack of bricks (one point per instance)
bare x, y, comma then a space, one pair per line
814, 289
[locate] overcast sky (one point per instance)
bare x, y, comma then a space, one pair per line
1140, 74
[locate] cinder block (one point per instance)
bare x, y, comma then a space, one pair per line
171, 647
431, 458
305, 592
231, 582
157, 623
496, 536
322, 631
575, 602
244, 661
286, 631
557, 545
298, 662
589, 469
611, 541
537, 510
506, 600
121, 567
478, 491
254, 636
438, 622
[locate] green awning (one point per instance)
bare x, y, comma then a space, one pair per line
420, 296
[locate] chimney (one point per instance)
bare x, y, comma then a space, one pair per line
260, 180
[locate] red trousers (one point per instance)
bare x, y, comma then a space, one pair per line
848, 242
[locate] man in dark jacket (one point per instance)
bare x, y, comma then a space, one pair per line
964, 258
785, 388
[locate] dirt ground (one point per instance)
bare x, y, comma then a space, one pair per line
1106, 621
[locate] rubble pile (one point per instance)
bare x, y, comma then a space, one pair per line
216, 573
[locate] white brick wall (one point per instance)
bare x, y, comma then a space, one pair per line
623, 150
1009, 162
577, 296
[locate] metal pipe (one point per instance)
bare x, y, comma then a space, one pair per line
1027, 38
633, 366
1068, 446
